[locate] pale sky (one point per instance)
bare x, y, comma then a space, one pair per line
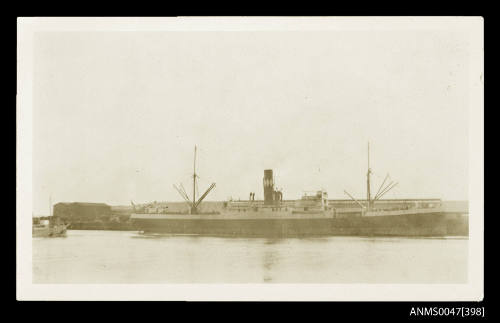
116, 115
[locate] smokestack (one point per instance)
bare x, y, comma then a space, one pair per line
268, 187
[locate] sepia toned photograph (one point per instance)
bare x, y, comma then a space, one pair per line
243, 158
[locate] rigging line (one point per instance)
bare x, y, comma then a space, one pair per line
184, 195
384, 189
362, 206
197, 191
184, 191
204, 194
378, 191
182, 188
390, 188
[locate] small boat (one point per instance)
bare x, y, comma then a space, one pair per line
48, 228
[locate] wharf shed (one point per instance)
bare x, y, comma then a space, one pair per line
82, 211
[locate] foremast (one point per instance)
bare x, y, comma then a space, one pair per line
193, 205
193, 209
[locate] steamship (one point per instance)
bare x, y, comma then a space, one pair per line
312, 215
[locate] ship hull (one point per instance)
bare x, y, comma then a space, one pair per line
410, 225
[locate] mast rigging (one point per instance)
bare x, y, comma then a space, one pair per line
193, 204
380, 192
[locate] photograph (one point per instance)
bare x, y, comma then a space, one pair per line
242, 158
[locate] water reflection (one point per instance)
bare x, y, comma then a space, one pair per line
133, 257
270, 258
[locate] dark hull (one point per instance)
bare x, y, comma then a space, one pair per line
54, 231
411, 225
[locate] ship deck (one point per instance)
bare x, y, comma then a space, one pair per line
248, 215
282, 214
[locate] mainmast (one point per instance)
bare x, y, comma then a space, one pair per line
382, 190
368, 194
194, 177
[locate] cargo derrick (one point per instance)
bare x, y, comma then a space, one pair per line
193, 205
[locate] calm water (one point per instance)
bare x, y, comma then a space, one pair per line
129, 257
